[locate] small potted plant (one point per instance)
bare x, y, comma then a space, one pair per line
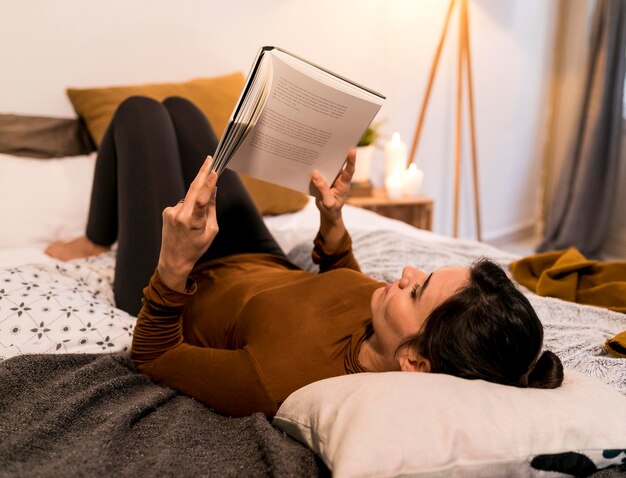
364, 154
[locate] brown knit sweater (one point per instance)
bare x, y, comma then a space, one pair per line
252, 328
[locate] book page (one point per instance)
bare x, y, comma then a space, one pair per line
305, 125
249, 103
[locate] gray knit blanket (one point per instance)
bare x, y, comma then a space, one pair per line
95, 415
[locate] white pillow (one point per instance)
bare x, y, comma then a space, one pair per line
392, 424
43, 200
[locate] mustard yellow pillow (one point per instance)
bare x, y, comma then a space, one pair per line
271, 199
216, 97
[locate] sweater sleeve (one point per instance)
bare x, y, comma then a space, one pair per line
342, 257
228, 381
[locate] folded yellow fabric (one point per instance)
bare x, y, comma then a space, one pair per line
617, 345
570, 276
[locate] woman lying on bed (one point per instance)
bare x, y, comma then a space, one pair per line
228, 319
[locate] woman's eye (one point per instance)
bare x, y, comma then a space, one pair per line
414, 292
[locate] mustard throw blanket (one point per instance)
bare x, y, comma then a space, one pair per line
568, 275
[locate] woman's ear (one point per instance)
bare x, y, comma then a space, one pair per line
411, 361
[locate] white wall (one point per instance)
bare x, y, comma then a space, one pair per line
388, 45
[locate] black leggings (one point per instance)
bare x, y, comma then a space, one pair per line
150, 154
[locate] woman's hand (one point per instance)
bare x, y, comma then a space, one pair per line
189, 228
330, 201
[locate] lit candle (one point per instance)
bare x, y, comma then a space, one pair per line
395, 155
394, 184
413, 180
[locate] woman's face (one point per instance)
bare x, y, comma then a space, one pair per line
400, 309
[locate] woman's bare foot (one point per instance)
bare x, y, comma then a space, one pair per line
75, 249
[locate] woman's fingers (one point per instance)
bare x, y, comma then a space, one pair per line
203, 200
206, 191
319, 181
197, 183
326, 195
193, 209
193, 214
190, 226
171, 213
345, 178
351, 161
211, 218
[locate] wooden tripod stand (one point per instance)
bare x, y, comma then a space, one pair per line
463, 60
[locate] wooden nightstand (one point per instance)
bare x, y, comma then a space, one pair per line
416, 211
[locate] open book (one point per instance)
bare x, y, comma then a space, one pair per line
293, 117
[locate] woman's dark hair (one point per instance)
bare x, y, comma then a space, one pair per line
488, 330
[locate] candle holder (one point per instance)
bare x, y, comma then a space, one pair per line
413, 180
395, 155
394, 185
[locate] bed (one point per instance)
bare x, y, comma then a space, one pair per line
72, 403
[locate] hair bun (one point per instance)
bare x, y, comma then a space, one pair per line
547, 371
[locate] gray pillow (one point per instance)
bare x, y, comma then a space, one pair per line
43, 137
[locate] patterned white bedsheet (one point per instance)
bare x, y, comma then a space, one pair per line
57, 307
